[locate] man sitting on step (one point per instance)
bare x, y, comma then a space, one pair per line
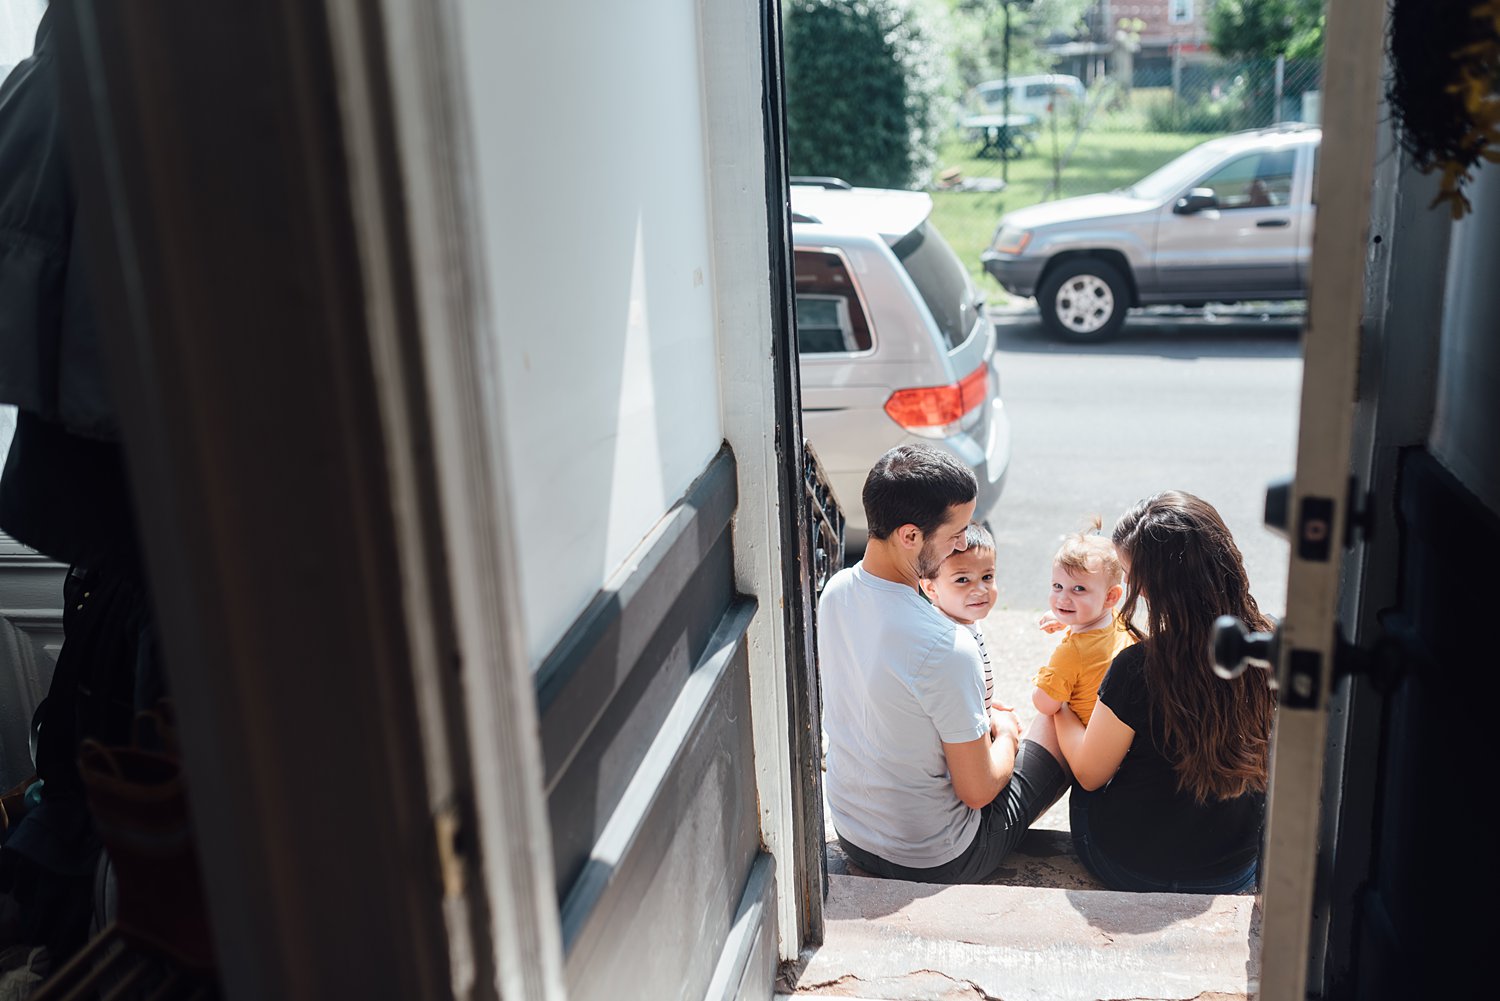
925, 782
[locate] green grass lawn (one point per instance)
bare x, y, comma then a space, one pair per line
1104, 159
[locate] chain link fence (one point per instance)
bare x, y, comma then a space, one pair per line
1081, 139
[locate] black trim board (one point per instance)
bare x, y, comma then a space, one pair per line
606, 689
806, 857
604, 645
747, 964
657, 902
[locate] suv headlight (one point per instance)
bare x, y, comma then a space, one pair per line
1010, 240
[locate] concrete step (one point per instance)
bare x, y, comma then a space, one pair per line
889, 940
1043, 858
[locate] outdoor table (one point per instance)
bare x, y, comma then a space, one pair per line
1000, 136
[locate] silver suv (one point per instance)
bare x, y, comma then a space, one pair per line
894, 342
1230, 220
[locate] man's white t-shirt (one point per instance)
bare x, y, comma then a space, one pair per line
899, 680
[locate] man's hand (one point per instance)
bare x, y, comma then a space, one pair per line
981, 767
1004, 721
1049, 624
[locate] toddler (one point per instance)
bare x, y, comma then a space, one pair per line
1087, 584
964, 590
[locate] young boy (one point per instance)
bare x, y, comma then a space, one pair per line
1087, 584
964, 590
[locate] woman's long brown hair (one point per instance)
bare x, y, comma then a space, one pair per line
1182, 562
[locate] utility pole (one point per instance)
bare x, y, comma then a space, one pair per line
1005, 144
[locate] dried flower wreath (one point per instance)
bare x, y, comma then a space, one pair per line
1445, 59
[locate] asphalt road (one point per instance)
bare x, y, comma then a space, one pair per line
1206, 404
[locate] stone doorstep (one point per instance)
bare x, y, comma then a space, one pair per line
1044, 858
889, 940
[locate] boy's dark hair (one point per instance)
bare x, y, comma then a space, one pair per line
978, 537
915, 485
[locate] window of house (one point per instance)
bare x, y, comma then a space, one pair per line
830, 317
1180, 12
1260, 180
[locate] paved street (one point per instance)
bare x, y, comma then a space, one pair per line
1176, 402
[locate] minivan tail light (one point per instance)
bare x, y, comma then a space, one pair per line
938, 411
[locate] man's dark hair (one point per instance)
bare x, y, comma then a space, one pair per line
915, 485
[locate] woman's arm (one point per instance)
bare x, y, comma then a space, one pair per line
1094, 753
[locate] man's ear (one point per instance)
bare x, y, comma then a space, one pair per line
910, 536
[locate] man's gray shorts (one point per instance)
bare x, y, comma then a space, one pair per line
1037, 782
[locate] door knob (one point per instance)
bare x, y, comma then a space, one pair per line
1236, 647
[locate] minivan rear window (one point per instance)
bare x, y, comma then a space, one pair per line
830, 317
940, 279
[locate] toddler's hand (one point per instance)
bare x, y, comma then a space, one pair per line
1049, 624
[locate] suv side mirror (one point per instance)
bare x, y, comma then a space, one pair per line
1196, 200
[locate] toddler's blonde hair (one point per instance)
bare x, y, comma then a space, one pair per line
1090, 551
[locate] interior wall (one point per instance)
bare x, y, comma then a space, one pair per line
588, 132
18, 21
1463, 434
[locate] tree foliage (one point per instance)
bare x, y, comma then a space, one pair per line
1265, 29
862, 91
976, 39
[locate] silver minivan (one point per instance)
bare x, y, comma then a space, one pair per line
894, 342
1230, 220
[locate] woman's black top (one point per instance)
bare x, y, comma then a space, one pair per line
1140, 819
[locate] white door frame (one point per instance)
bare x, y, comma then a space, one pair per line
1353, 47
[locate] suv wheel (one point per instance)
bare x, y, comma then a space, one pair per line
1084, 299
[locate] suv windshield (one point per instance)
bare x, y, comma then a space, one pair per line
1171, 179
940, 279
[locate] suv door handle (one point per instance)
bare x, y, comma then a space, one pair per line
1273, 223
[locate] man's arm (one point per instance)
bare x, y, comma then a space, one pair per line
981, 768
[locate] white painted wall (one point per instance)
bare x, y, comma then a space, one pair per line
588, 133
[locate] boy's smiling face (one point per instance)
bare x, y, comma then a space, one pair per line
1083, 601
964, 587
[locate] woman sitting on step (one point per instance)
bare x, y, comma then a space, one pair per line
1170, 772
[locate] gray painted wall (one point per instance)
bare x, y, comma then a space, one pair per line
1464, 430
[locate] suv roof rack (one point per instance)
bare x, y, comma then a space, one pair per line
1281, 127
823, 182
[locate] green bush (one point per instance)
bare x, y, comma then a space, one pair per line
1203, 112
862, 83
